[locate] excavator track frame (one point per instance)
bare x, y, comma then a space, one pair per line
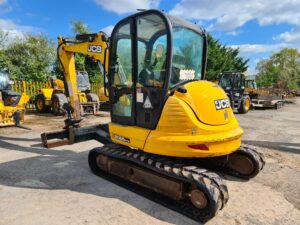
200, 193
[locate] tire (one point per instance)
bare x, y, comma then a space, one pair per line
245, 105
278, 105
92, 97
57, 102
40, 104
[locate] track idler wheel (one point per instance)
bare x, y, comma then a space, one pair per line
244, 163
198, 199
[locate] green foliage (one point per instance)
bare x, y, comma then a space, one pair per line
283, 66
29, 58
82, 62
222, 58
79, 27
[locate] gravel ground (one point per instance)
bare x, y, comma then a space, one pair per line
55, 186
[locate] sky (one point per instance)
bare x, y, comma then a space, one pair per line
257, 27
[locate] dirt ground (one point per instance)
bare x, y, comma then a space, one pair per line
55, 186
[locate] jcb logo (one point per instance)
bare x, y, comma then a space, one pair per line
222, 104
94, 48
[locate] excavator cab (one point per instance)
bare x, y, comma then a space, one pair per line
156, 54
83, 81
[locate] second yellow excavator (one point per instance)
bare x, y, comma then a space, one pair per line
169, 127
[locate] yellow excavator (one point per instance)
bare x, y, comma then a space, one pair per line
170, 129
12, 104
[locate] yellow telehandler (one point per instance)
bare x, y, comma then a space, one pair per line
53, 97
12, 104
170, 129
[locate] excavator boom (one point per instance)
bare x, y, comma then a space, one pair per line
92, 45
96, 47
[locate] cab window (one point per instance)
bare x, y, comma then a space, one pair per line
152, 53
187, 56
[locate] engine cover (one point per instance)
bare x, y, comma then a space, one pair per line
208, 101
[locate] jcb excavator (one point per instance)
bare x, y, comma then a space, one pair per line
169, 127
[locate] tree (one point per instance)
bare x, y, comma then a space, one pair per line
29, 58
3, 38
222, 58
283, 66
79, 27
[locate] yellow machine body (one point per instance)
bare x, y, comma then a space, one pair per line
57, 87
48, 92
7, 112
103, 97
189, 126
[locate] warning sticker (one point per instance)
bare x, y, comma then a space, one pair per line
147, 104
140, 97
187, 74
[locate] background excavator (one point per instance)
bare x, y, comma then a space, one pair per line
12, 104
52, 97
170, 129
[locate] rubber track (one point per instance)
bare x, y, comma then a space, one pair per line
256, 157
207, 181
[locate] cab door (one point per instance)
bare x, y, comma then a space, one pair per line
140, 53
121, 90
152, 63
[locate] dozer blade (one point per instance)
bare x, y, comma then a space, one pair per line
73, 135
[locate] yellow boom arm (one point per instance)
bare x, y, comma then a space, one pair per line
92, 45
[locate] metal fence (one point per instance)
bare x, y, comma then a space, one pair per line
96, 87
32, 89
29, 88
